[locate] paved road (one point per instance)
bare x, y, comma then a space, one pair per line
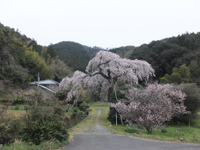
118, 142
98, 137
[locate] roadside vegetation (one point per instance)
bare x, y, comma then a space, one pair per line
181, 133
37, 123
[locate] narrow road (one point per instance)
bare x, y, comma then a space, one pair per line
98, 137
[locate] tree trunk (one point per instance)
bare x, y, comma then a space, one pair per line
149, 130
110, 89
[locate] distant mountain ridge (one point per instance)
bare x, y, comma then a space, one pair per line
75, 55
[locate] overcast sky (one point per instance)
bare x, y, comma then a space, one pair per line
104, 23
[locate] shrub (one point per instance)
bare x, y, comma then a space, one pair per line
131, 130
16, 107
83, 106
84, 95
112, 116
19, 100
44, 122
43, 128
119, 94
9, 127
75, 110
62, 94
192, 102
164, 130
95, 96
59, 111
4, 101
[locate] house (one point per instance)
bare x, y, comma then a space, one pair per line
47, 87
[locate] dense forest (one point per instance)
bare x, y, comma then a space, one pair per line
21, 58
75, 55
175, 59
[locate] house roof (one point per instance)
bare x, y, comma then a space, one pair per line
44, 87
47, 88
46, 82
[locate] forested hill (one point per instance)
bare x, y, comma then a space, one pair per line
75, 55
21, 58
124, 51
176, 59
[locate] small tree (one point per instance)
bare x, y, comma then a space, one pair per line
151, 107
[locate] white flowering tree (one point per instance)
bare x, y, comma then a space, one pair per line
107, 68
152, 107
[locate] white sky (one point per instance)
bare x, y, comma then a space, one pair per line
104, 23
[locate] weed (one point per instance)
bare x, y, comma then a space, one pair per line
131, 130
164, 130
16, 107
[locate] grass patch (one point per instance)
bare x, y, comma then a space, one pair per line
197, 121
48, 145
16, 113
172, 133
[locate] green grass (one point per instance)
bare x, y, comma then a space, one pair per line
48, 145
174, 133
197, 121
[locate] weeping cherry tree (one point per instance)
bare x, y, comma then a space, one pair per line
106, 69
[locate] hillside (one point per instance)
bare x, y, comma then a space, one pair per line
176, 58
124, 51
21, 58
75, 55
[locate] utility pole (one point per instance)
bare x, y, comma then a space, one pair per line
116, 117
37, 89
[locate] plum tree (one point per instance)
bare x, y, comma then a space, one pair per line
152, 107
